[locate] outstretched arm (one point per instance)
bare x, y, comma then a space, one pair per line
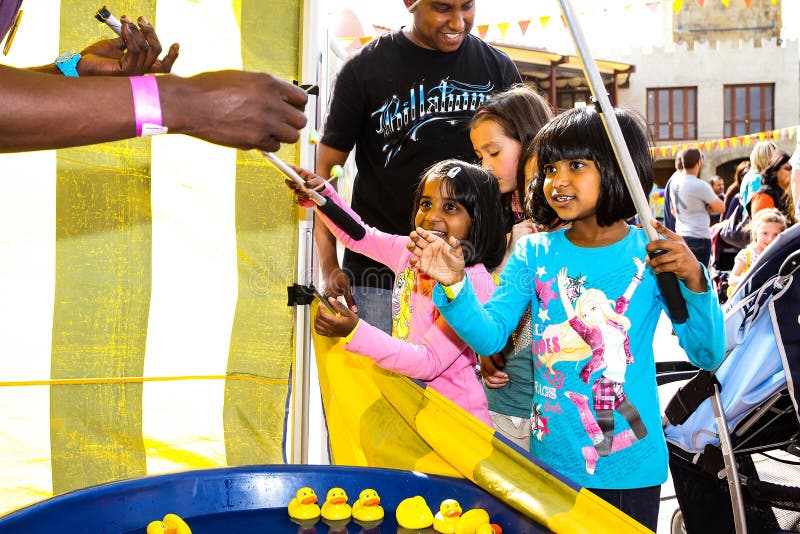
135, 52
232, 108
637, 279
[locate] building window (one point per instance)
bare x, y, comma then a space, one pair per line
672, 113
749, 108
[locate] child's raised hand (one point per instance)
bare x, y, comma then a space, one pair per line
678, 259
441, 260
339, 325
312, 182
561, 280
640, 265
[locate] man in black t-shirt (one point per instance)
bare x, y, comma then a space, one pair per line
404, 102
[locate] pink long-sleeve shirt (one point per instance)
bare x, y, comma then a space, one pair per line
431, 351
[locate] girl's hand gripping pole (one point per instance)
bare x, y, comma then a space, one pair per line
667, 282
336, 214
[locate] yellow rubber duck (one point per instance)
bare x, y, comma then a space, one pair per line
335, 506
304, 505
413, 513
446, 518
171, 524
368, 506
476, 521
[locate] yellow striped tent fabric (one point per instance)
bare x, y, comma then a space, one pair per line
377, 418
143, 319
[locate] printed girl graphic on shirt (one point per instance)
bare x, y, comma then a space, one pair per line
595, 328
401, 303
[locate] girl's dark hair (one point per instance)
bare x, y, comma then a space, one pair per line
770, 179
579, 133
770, 175
476, 190
521, 112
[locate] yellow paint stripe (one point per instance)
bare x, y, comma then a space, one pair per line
262, 340
102, 291
139, 380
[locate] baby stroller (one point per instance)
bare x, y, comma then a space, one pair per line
743, 474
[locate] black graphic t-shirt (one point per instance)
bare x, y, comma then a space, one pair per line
404, 108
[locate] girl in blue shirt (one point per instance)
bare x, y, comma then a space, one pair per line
595, 306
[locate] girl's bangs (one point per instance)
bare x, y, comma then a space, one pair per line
566, 142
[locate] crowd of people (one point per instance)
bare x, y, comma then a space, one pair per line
725, 227
499, 264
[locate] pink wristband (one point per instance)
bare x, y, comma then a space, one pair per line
146, 106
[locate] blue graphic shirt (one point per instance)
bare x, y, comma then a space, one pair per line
596, 417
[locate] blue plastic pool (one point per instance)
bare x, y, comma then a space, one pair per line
247, 499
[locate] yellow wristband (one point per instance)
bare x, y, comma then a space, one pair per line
452, 291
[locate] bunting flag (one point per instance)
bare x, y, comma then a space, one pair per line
547, 13
376, 418
726, 3
143, 282
503, 27
727, 143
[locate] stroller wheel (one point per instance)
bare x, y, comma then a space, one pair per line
676, 524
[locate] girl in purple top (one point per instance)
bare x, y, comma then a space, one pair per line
453, 199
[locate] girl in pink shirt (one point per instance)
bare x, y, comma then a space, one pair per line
453, 199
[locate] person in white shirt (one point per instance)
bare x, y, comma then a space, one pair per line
693, 201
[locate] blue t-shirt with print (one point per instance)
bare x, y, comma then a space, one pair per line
596, 417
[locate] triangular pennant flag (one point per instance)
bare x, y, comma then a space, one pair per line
365, 39
732, 142
677, 5
653, 6
627, 7
701, 2
761, 136
747, 140
726, 3
346, 41
483, 29
543, 21
564, 21
792, 131
708, 146
782, 133
503, 27
747, 3
523, 25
